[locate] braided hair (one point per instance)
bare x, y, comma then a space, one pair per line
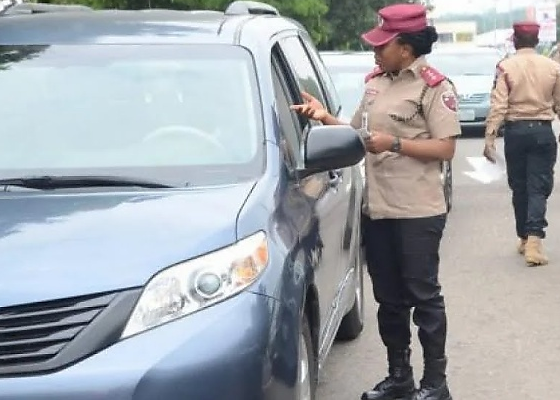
420, 42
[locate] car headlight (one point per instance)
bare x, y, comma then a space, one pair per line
189, 286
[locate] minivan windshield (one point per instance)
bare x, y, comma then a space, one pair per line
173, 114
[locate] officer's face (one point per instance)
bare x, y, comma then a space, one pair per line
390, 57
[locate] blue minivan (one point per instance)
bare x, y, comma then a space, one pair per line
169, 227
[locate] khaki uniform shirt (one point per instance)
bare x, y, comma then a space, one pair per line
526, 87
398, 186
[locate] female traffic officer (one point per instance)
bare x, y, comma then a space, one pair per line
410, 111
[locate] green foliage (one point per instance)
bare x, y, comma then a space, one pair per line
333, 24
346, 20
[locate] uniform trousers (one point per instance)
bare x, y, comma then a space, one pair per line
530, 150
403, 262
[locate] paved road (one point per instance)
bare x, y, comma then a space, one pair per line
504, 318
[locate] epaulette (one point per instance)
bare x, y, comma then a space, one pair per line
431, 76
376, 72
502, 70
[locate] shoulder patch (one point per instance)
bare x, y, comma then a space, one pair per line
449, 100
376, 72
431, 76
500, 71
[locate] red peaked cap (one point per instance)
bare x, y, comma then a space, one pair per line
526, 28
395, 19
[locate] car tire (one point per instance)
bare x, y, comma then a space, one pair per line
307, 376
352, 324
448, 185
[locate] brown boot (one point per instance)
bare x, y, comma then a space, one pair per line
534, 252
521, 246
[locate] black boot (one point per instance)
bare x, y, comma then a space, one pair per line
433, 385
399, 385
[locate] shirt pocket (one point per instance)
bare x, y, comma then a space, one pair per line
407, 117
370, 94
406, 111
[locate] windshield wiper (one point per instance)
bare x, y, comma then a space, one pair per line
64, 181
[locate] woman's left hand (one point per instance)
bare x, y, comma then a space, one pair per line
379, 142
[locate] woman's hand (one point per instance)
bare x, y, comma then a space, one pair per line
312, 108
379, 142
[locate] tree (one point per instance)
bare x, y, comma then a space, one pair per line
348, 19
308, 12
333, 24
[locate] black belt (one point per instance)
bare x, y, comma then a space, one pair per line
529, 122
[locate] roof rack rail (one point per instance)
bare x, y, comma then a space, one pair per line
39, 8
6, 4
251, 7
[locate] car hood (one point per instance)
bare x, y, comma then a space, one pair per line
471, 84
55, 246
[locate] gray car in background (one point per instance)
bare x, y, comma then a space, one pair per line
472, 70
348, 70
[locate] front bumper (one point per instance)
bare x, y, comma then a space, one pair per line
473, 115
231, 350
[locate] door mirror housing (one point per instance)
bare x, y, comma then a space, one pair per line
331, 147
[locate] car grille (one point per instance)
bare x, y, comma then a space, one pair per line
35, 337
472, 98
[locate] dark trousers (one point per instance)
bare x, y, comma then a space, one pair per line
403, 262
530, 151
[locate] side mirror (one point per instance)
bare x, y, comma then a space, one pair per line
332, 147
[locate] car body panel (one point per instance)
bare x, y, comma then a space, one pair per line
129, 227
60, 244
179, 357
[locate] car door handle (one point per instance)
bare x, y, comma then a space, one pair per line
335, 177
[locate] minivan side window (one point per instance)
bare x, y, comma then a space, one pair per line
290, 128
298, 58
334, 104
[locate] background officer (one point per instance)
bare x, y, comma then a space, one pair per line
526, 95
411, 111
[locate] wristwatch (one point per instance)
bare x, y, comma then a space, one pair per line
396, 146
